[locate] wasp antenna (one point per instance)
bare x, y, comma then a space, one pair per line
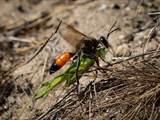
110, 30
113, 30
112, 25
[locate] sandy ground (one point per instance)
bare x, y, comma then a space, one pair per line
24, 25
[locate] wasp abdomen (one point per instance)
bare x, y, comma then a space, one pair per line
60, 61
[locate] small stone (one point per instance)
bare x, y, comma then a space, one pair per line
123, 51
115, 6
128, 9
11, 100
21, 9
6, 107
129, 38
5, 64
151, 46
18, 101
6, 116
121, 37
139, 37
103, 7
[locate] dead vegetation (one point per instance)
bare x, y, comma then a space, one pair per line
127, 89
130, 90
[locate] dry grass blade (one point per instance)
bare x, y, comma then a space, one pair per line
35, 54
130, 92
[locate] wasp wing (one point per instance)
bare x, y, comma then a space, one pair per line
72, 35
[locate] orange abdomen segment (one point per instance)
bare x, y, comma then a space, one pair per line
62, 59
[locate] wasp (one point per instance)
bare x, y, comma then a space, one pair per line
81, 44
86, 51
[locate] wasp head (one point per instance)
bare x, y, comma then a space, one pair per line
104, 42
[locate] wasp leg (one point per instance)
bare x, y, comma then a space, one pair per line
97, 61
78, 64
95, 77
98, 66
